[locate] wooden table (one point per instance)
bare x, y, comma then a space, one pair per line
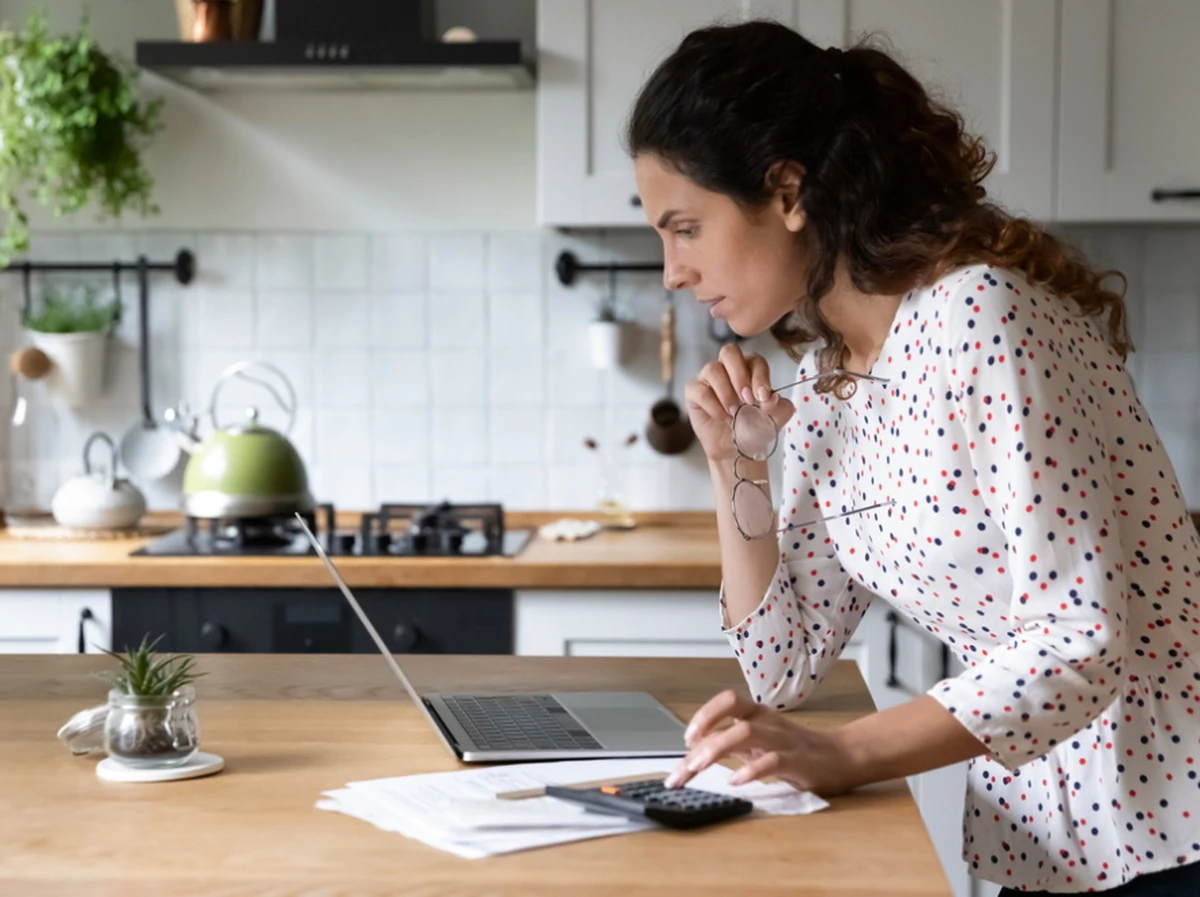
290, 727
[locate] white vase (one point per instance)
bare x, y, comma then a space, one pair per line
606, 339
77, 365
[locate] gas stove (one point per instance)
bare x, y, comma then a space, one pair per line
395, 530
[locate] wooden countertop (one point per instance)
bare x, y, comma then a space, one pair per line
290, 727
667, 550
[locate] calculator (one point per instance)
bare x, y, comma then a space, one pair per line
651, 799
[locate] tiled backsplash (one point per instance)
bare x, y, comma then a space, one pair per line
456, 366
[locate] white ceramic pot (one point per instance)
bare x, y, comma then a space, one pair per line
606, 340
77, 365
98, 500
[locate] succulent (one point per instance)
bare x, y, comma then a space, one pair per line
144, 672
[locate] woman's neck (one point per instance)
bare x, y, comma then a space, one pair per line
863, 320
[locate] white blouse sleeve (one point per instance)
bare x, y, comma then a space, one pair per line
789, 643
1024, 396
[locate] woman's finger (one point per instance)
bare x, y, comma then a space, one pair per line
760, 380
716, 375
731, 358
737, 738
763, 765
699, 394
727, 705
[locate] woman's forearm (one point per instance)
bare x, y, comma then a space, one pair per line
903, 741
747, 566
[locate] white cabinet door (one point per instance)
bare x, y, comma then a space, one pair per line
50, 621
593, 56
993, 60
620, 624
1127, 122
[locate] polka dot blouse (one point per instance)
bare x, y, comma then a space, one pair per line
1038, 530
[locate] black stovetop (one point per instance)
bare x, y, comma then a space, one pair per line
395, 530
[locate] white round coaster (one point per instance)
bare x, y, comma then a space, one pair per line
199, 764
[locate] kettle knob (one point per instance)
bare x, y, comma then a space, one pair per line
214, 636
405, 638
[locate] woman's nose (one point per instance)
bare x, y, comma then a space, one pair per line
676, 277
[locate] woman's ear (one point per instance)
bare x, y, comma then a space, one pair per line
784, 180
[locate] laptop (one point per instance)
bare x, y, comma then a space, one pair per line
481, 728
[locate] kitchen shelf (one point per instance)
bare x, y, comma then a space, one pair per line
339, 65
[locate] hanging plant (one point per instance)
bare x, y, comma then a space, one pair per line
71, 128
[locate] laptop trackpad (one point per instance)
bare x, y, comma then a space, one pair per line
632, 728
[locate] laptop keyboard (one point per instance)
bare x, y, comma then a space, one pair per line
525, 722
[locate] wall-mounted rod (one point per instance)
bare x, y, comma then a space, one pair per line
567, 266
183, 266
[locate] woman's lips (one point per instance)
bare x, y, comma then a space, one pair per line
713, 304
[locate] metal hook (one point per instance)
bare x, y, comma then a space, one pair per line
27, 278
116, 269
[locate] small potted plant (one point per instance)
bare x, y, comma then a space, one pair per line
151, 720
72, 328
74, 128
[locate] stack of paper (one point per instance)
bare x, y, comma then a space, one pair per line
460, 813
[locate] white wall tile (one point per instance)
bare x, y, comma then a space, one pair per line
457, 320
1172, 321
517, 435
401, 435
517, 378
54, 247
399, 262
347, 486
461, 484
456, 262
340, 262
297, 367
571, 379
1172, 257
283, 261
569, 428
575, 487
342, 320
399, 321
457, 379
516, 320
400, 483
342, 379
515, 262
284, 319
343, 437
400, 378
519, 486
226, 319
459, 436
225, 259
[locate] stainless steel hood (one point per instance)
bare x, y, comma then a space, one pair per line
356, 45
341, 64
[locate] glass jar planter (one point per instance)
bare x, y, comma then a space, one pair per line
152, 731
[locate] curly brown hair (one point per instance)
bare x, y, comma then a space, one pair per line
893, 183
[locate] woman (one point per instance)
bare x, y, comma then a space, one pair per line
965, 444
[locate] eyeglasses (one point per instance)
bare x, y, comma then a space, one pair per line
755, 438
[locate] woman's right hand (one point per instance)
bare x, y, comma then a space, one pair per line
721, 386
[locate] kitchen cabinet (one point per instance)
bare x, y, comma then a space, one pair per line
55, 621
593, 56
993, 59
1127, 126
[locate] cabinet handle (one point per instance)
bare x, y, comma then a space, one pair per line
893, 620
635, 201
84, 615
1158, 194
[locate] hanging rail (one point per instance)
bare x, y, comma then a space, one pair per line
567, 266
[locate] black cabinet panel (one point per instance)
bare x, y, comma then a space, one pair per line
291, 621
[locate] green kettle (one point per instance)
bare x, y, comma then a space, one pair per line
246, 469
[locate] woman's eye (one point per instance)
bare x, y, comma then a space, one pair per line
685, 232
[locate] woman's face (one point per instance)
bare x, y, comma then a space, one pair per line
746, 266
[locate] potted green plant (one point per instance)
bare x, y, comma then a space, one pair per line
151, 718
74, 128
71, 326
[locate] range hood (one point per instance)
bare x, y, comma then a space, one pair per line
343, 44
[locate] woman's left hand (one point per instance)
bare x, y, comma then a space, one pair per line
767, 743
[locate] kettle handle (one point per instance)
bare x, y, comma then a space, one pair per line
112, 449
238, 369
